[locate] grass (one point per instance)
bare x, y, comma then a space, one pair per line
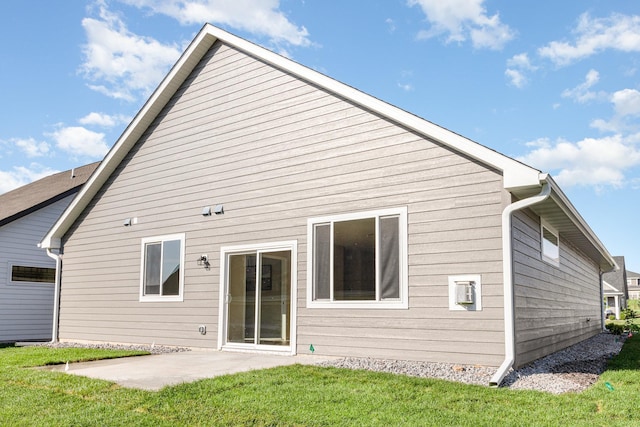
301, 395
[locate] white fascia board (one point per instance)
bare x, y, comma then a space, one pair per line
167, 88
515, 174
562, 201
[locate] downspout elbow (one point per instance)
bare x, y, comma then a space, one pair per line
56, 294
507, 259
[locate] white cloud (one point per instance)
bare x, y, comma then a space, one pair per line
581, 93
626, 107
518, 65
516, 77
80, 142
21, 175
121, 64
103, 120
521, 61
407, 87
31, 147
594, 35
589, 162
261, 17
460, 20
391, 25
626, 102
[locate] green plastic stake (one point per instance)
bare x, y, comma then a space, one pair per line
311, 349
609, 386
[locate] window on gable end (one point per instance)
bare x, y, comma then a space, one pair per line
550, 241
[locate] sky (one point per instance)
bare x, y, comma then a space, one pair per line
554, 84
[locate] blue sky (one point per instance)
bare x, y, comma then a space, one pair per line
553, 84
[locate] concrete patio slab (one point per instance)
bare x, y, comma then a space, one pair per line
156, 371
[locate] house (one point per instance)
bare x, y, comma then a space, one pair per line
633, 284
27, 274
615, 288
254, 204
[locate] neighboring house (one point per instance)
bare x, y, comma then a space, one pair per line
615, 288
633, 284
254, 204
27, 274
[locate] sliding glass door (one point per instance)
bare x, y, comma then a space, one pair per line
259, 298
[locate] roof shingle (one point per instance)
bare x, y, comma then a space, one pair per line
38, 194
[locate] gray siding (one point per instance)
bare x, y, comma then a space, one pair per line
552, 303
277, 151
26, 310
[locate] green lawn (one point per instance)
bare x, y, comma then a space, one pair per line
302, 395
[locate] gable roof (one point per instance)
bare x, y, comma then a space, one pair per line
518, 178
617, 278
34, 196
631, 274
609, 289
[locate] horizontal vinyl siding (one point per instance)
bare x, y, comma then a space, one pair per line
552, 303
26, 309
276, 151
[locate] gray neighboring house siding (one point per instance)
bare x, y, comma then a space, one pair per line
279, 145
26, 215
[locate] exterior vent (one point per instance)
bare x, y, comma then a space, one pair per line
464, 292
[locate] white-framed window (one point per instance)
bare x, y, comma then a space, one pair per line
358, 260
26, 273
550, 242
162, 268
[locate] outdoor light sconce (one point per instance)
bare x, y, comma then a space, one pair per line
217, 209
128, 222
204, 261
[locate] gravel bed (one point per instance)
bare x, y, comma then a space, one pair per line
152, 348
570, 370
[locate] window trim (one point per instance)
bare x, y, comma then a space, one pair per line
403, 301
12, 282
544, 225
162, 239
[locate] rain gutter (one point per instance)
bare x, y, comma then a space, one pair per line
507, 259
56, 297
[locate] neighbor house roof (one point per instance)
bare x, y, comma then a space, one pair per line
34, 196
617, 278
631, 274
520, 179
610, 289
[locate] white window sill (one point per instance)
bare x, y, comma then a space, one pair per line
161, 299
368, 305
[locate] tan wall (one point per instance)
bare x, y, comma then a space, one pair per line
552, 304
277, 151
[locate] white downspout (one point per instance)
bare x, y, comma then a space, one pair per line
603, 318
56, 296
507, 278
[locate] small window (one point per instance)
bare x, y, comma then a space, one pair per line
550, 244
358, 260
162, 269
30, 274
